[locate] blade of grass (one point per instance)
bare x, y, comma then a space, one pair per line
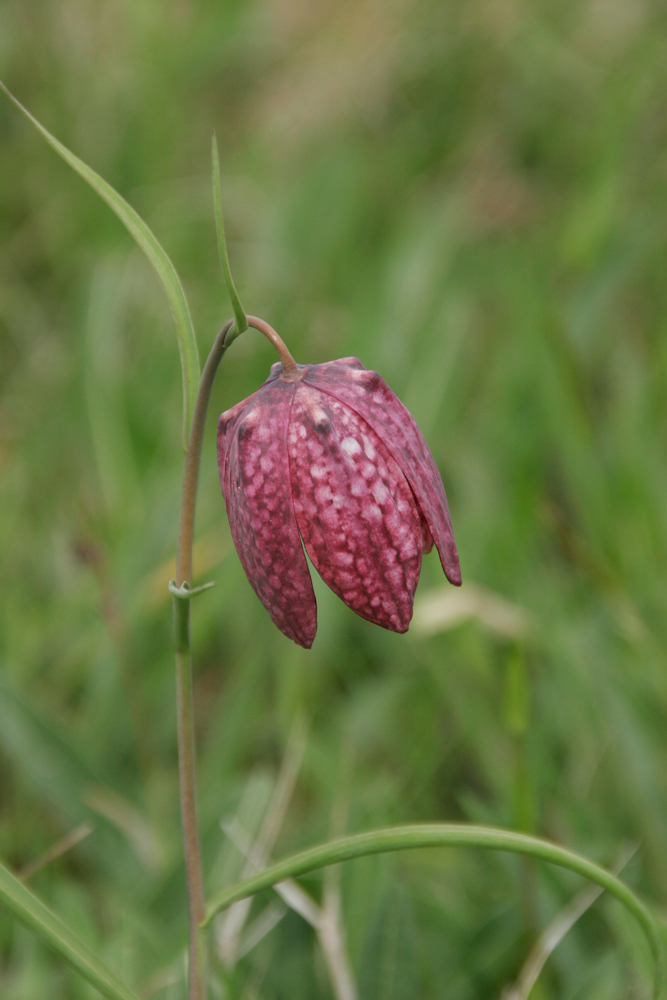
325, 920
261, 927
258, 852
447, 835
241, 324
50, 929
157, 256
56, 851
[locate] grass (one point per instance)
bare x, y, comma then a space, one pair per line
469, 198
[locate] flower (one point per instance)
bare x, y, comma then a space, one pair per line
329, 455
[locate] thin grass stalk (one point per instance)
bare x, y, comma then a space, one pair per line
184, 699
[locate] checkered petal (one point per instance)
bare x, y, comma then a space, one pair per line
254, 473
370, 397
354, 508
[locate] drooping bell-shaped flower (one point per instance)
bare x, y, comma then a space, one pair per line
328, 455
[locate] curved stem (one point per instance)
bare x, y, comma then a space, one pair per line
181, 611
185, 717
193, 457
446, 835
289, 364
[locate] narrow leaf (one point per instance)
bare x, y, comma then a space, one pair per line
163, 266
448, 835
50, 929
239, 313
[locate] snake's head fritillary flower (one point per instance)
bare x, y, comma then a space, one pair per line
328, 455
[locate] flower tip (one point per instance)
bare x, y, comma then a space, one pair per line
451, 565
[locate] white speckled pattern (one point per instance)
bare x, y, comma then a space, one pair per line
355, 510
254, 472
369, 395
330, 455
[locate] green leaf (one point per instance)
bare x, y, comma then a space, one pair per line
50, 929
448, 835
163, 266
239, 313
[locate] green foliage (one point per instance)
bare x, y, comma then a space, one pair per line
156, 255
468, 198
241, 321
49, 929
389, 969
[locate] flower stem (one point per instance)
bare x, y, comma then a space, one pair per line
181, 611
193, 456
188, 791
185, 717
289, 364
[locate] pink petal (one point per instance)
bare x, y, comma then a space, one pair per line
355, 509
254, 473
368, 395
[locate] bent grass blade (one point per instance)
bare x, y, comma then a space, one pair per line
448, 835
155, 253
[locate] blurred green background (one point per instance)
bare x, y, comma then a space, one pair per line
470, 197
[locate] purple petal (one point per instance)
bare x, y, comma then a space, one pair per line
368, 394
254, 473
355, 509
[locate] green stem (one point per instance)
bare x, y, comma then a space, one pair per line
289, 364
446, 835
193, 457
188, 793
185, 716
181, 611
